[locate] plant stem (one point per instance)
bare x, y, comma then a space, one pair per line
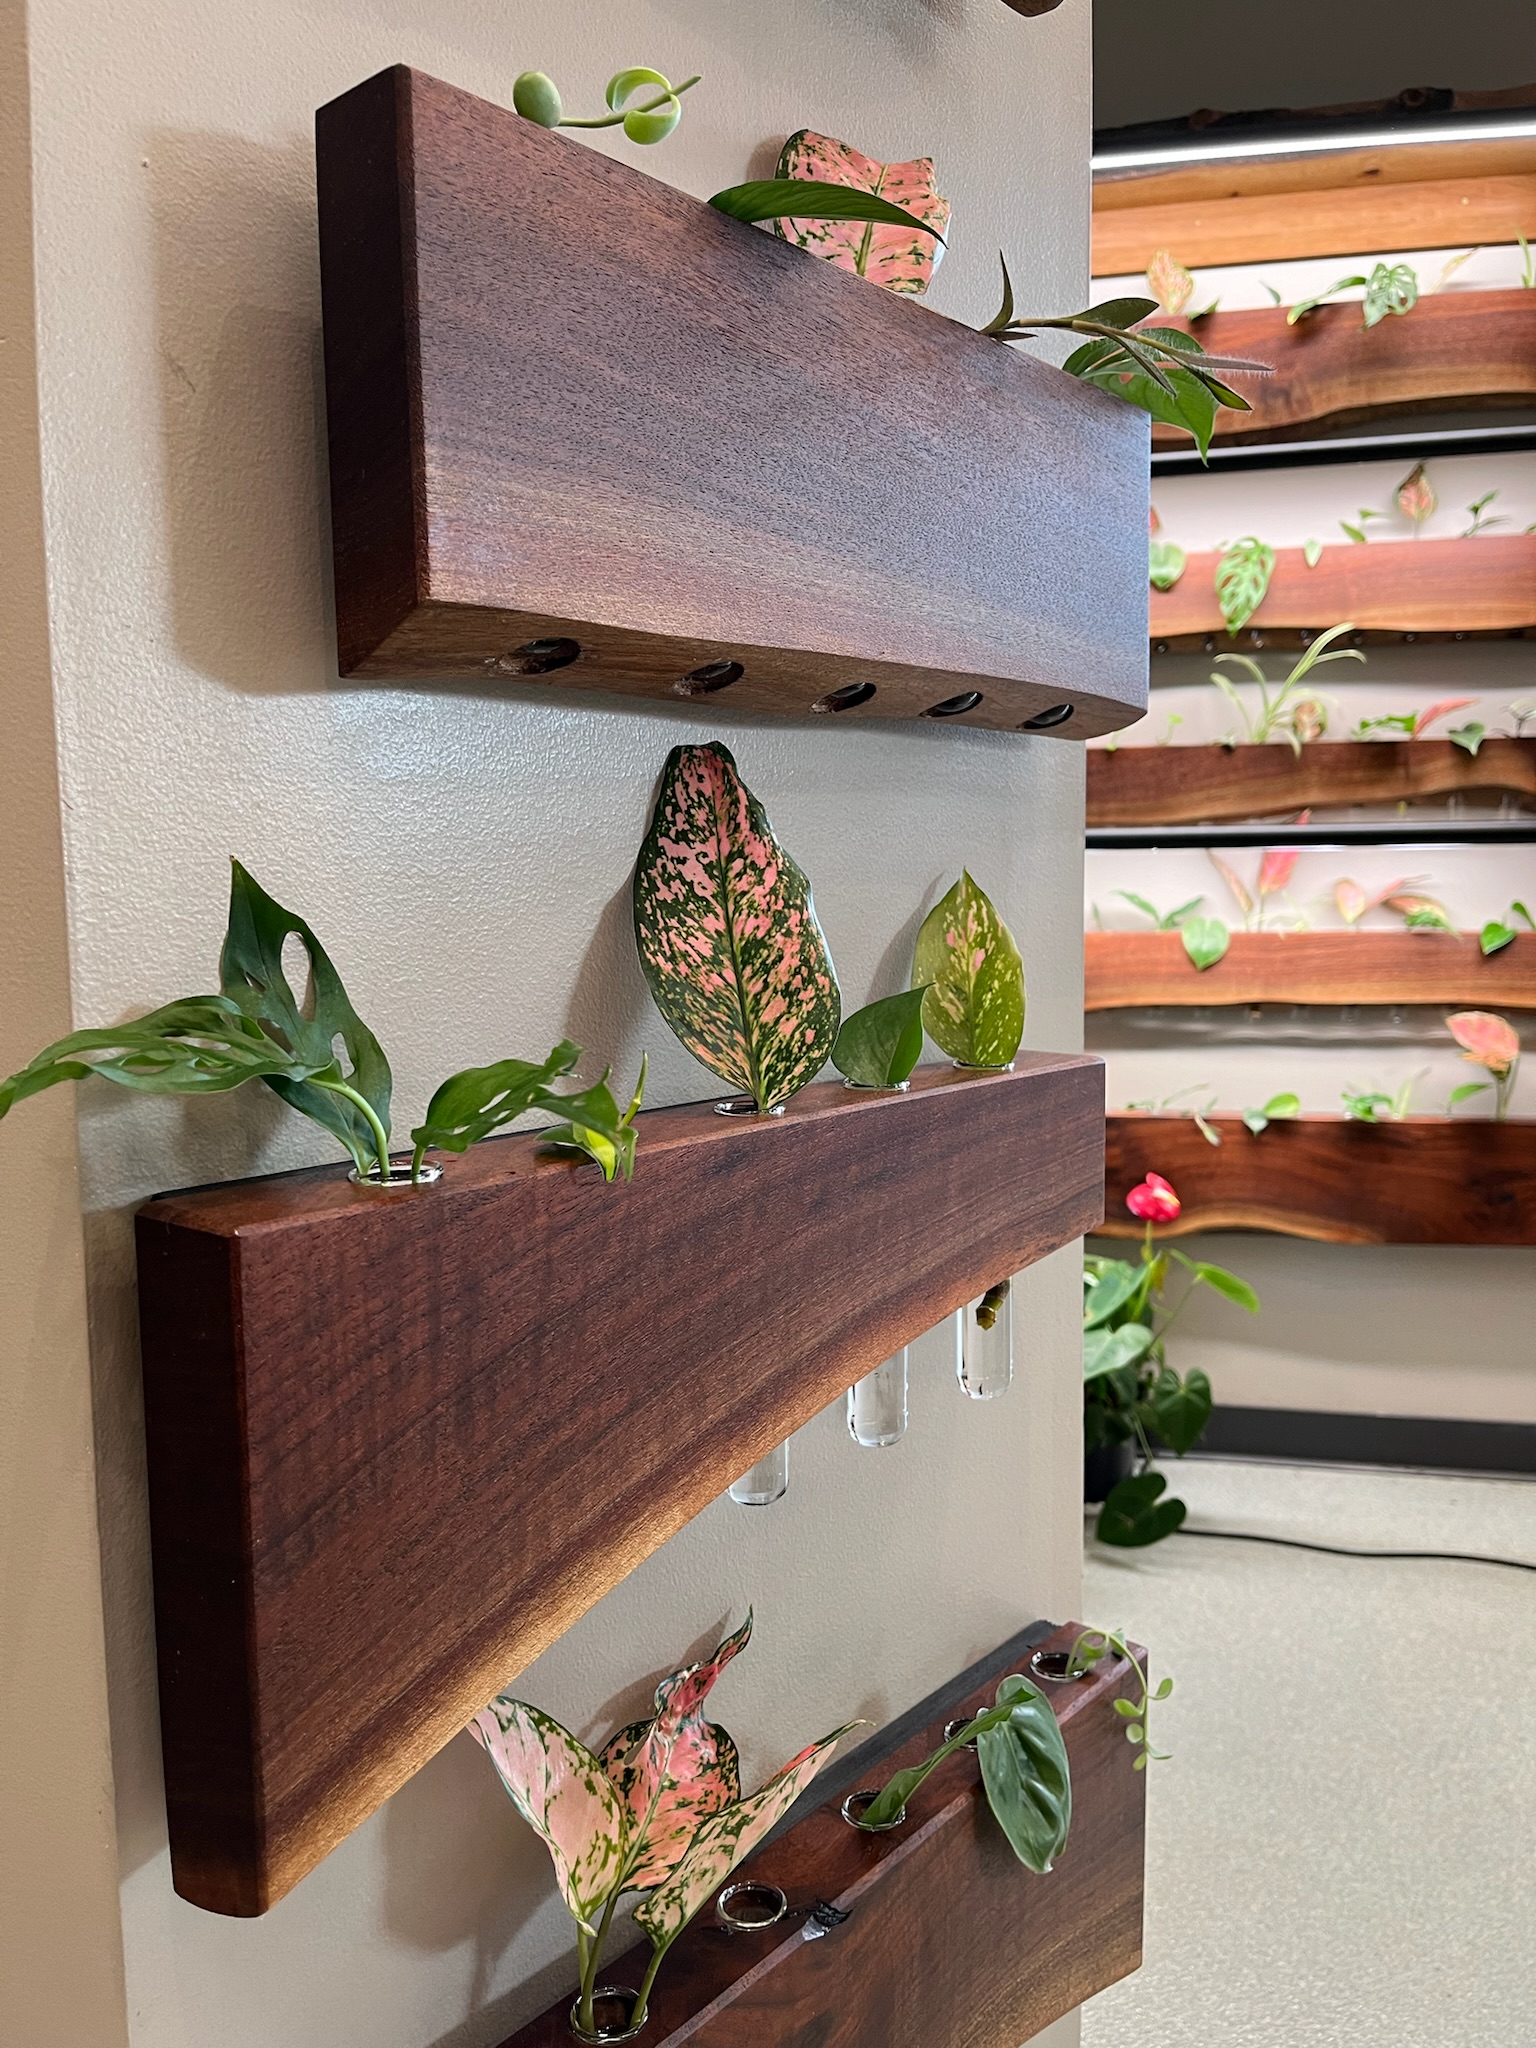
366, 1110
650, 107
642, 1997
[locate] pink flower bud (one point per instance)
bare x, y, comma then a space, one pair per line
1153, 1200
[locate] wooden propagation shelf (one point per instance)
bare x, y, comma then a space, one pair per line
400, 1441
1454, 351
1216, 784
1133, 970
1343, 202
948, 1938
1426, 1180
585, 428
1413, 588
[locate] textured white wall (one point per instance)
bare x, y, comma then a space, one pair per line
465, 853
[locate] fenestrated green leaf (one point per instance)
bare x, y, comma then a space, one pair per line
1025, 1771
1135, 1514
251, 975
1111, 1290
810, 199
974, 1006
1206, 940
202, 1045
1109, 1350
1242, 579
727, 933
561, 1790
472, 1104
723, 1839
1180, 1408
879, 1045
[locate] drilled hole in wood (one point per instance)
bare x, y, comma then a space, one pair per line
613, 2011
954, 707
745, 1908
952, 1729
535, 658
703, 682
1054, 1666
1043, 721
857, 1804
846, 698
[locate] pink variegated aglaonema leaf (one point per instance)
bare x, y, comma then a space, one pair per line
1436, 711
1352, 901
1276, 869
1170, 283
895, 257
560, 1789
674, 1771
727, 933
1486, 1038
724, 1839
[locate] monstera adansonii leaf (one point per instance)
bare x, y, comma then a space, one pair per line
896, 257
727, 933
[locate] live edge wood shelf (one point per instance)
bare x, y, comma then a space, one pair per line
1456, 350
1426, 1180
1416, 589
1215, 785
950, 1942
586, 428
1132, 970
399, 1442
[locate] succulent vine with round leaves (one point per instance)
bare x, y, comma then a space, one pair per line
647, 120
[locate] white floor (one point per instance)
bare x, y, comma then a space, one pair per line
1343, 1848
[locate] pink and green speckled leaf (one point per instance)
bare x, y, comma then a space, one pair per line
674, 1771
974, 1008
724, 1839
1486, 1038
727, 933
891, 256
560, 1789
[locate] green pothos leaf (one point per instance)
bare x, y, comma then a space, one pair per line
727, 933
1206, 940
1135, 1514
1026, 1774
966, 957
879, 1045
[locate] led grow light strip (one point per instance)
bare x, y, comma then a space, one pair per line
1312, 145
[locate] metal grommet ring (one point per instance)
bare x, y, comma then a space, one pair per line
749, 1907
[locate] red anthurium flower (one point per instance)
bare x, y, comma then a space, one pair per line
1153, 1200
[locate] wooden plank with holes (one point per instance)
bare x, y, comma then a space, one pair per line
948, 1940
1424, 1180
1460, 350
587, 429
1216, 784
400, 1441
1130, 970
1460, 587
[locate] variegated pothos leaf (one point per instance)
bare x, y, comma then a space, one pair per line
974, 1008
560, 1789
894, 257
724, 1839
727, 932
674, 1771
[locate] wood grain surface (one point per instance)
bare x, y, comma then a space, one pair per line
1129, 970
571, 404
399, 1442
1454, 351
1426, 1180
1483, 585
1211, 785
950, 1942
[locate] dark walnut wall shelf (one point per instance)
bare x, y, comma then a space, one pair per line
584, 427
1423, 588
1131, 970
950, 1942
1426, 1180
1454, 351
1216, 785
399, 1443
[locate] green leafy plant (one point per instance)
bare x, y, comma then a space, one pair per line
659, 1810
1024, 1771
1165, 921
1130, 1392
1175, 1105
1091, 1647
1390, 288
900, 255
1165, 559
537, 98
969, 967
727, 933
1278, 1109
1161, 369
1287, 713
1411, 725
1480, 516
1206, 940
1527, 264
1373, 1106
797, 199
260, 1028
1499, 932
879, 1045
1242, 579
1311, 552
